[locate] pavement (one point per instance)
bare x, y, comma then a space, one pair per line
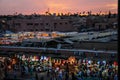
16, 75
11, 76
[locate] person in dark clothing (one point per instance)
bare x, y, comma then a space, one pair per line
100, 75
48, 73
6, 74
73, 76
42, 78
36, 76
66, 76
22, 71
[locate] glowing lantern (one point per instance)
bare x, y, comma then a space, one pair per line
71, 59
54, 34
44, 34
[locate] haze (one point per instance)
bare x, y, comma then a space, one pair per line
56, 6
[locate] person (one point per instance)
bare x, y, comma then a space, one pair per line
36, 76
116, 77
26, 69
60, 75
31, 70
66, 76
6, 73
22, 70
14, 73
2, 76
48, 73
73, 76
42, 78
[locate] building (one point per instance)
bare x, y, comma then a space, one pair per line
62, 23
42, 23
101, 26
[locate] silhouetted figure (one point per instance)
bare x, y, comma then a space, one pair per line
22, 71
67, 67
66, 76
73, 76
42, 78
48, 73
6, 72
36, 76
15, 76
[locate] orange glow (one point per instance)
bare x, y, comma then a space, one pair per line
71, 59
13, 61
44, 34
112, 6
56, 6
54, 35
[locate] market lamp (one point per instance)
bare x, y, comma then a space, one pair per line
71, 59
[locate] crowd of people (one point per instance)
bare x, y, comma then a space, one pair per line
87, 71
77, 70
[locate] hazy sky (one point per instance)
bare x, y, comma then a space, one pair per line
41, 6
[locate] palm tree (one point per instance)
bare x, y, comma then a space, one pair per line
88, 13
61, 14
58, 14
80, 13
83, 12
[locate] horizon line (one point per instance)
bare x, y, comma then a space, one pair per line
80, 13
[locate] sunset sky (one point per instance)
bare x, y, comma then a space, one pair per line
56, 6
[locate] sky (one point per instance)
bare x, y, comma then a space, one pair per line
9, 7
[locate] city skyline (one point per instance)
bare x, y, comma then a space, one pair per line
56, 6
